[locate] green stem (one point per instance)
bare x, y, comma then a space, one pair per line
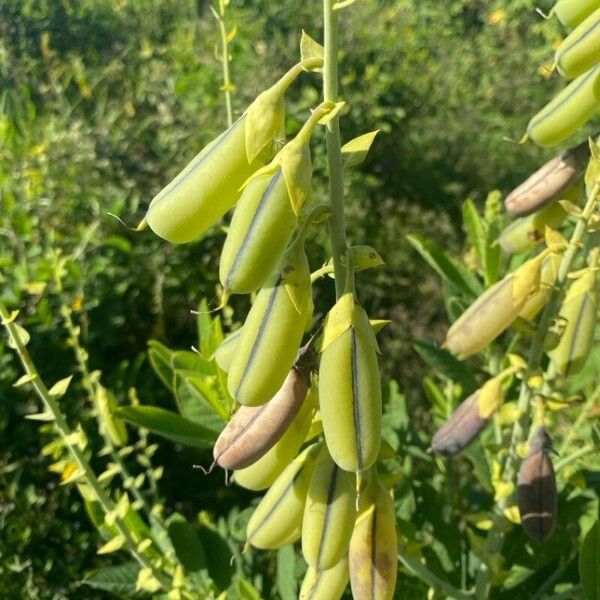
575, 456
227, 87
583, 414
424, 574
337, 222
495, 538
66, 434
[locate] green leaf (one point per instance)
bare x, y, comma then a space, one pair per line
589, 563
204, 324
60, 387
161, 359
355, 151
168, 424
286, 573
437, 398
475, 229
116, 580
451, 271
185, 360
310, 48
199, 402
493, 254
219, 556
186, 542
446, 364
242, 589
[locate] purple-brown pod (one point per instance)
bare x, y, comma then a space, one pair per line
547, 182
536, 489
463, 426
253, 430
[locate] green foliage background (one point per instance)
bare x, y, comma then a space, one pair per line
103, 101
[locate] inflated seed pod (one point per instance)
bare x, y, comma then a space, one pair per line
580, 50
254, 430
267, 213
548, 182
226, 351
470, 418
278, 517
210, 184
494, 310
373, 551
536, 489
262, 473
272, 332
572, 12
538, 299
567, 111
349, 386
325, 584
578, 313
329, 514
525, 233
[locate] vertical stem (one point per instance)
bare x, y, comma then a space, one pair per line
225, 64
337, 221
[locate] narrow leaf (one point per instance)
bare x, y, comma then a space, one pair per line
355, 151
60, 387
112, 545
168, 424
589, 563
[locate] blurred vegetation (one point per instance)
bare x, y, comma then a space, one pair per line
103, 101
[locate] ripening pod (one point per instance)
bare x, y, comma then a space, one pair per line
262, 473
325, 584
272, 332
580, 50
277, 520
373, 548
494, 310
572, 12
254, 430
349, 386
329, 513
267, 213
567, 111
578, 313
470, 418
526, 232
534, 304
536, 488
548, 182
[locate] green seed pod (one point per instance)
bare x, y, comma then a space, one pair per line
549, 182
536, 489
494, 310
325, 585
210, 184
225, 353
267, 213
329, 514
580, 50
349, 386
578, 312
272, 332
373, 548
470, 418
538, 299
526, 232
113, 427
567, 111
254, 430
572, 12
261, 474
278, 517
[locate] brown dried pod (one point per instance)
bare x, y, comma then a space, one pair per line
536, 489
254, 430
463, 426
547, 182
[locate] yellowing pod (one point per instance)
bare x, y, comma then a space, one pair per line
349, 386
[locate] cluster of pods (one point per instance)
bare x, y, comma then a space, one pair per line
577, 58
308, 423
